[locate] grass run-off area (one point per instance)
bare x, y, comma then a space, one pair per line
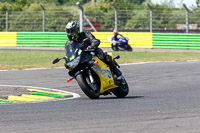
42, 59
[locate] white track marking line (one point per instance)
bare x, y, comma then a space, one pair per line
157, 62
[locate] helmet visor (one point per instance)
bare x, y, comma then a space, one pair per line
70, 31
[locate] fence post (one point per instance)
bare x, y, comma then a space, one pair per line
116, 19
151, 17
187, 18
81, 16
43, 17
6, 17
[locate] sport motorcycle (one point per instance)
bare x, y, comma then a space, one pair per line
94, 77
121, 44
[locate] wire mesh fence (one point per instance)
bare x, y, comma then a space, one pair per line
102, 20
2, 21
25, 21
168, 19
32, 21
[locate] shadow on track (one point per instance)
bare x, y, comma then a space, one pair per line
128, 97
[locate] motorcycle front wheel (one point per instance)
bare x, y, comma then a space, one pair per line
114, 48
122, 90
90, 89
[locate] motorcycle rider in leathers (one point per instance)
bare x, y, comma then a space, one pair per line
74, 35
114, 37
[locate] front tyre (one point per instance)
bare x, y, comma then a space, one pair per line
91, 90
114, 47
122, 90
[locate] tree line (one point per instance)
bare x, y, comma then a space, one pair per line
101, 9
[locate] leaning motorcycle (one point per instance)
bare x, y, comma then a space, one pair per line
94, 77
121, 44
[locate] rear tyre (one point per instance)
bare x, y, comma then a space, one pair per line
122, 90
91, 90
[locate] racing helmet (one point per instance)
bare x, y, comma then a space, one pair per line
115, 30
72, 30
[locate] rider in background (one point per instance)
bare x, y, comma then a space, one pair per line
74, 35
114, 37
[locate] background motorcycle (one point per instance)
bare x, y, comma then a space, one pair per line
121, 44
93, 76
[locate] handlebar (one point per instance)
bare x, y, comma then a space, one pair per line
56, 60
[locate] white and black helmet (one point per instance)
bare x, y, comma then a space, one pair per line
72, 30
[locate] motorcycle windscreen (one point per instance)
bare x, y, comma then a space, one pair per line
71, 51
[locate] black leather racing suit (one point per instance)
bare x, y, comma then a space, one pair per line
114, 36
93, 44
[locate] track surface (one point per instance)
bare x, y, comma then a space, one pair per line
163, 98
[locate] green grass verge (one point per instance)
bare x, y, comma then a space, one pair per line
50, 94
40, 59
28, 59
134, 57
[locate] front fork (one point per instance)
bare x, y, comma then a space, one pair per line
91, 77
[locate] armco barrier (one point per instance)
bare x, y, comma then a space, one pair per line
176, 40
58, 39
38, 39
136, 39
139, 39
8, 39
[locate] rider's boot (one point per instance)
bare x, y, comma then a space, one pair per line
113, 67
108, 60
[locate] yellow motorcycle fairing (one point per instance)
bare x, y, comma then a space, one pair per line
105, 75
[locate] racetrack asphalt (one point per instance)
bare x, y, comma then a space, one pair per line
163, 98
7, 91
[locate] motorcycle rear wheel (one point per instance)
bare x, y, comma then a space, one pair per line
86, 86
122, 90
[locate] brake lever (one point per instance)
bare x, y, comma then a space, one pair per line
65, 58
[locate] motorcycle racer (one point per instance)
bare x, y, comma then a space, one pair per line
114, 36
74, 35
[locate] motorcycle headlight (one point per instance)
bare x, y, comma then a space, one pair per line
74, 62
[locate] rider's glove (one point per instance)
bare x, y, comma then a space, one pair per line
83, 46
86, 41
91, 48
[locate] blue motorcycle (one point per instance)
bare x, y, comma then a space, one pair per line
121, 44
